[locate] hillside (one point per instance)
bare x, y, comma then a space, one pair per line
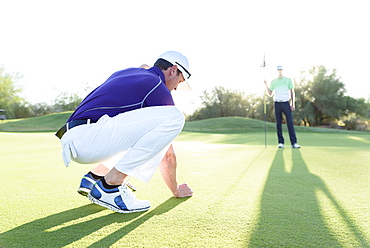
46, 123
52, 122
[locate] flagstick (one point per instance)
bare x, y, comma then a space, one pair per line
264, 99
264, 113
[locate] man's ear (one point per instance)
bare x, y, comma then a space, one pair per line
173, 70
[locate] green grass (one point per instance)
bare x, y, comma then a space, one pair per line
246, 195
46, 123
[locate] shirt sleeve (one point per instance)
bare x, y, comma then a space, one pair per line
290, 84
272, 85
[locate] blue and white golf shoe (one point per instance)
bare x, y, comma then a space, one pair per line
120, 199
87, 183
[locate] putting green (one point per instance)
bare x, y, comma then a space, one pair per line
245, 195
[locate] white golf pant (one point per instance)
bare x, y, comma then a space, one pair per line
135, 141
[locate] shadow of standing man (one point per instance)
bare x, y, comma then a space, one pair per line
290, 213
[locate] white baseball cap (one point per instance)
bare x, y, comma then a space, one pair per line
176, 58
279, 67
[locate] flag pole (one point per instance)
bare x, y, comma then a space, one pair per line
264, 97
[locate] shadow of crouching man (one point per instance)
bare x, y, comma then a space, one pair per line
64, 228
112, 238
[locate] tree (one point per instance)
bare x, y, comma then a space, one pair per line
66, 102
221, 102
9, 91
320, 97
304, 113
257, 103
327, 93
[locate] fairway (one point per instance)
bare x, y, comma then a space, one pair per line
245, 195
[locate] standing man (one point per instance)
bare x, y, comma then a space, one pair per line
128, 123
282, 89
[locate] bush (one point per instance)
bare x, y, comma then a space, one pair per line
354, 122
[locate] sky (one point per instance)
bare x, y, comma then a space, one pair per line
66, 46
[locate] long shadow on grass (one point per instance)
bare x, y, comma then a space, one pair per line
119, 234
290, 213
61, 229
38, 232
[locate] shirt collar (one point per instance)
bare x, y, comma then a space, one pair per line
156, 70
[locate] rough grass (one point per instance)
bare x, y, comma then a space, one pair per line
246, 195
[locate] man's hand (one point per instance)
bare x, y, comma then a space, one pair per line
292, 108
184, 191
168, 170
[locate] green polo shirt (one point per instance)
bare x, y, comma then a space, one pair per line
281, 86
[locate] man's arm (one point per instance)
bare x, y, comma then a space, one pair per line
268, 89
168, 170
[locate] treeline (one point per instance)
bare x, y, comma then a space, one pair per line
63, 102
320, 100
17, 107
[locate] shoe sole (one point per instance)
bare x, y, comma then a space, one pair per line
83, 191
106, 205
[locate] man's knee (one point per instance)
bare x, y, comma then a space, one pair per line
177, 117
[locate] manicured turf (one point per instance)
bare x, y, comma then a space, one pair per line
246, 195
